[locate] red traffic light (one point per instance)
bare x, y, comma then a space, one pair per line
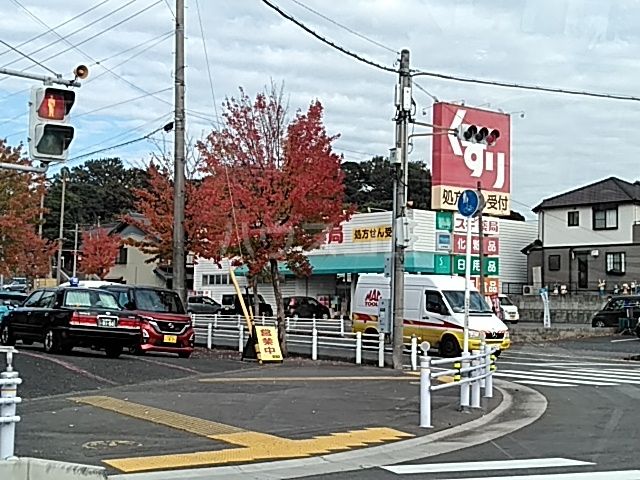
56, 103
493, 136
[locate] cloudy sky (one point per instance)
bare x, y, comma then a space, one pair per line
558, 141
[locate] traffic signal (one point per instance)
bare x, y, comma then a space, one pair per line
49, 131
477, 134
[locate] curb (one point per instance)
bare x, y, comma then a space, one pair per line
508, 417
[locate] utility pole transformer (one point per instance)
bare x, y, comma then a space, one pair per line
179, 258
403, 115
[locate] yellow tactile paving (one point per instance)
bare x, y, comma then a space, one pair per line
254, 446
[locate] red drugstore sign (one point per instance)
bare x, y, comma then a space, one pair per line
490, 246
460, 161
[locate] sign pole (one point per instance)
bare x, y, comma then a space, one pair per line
467, 291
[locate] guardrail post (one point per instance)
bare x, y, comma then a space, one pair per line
8, 401
425, 391
314, 320
263, 319
488, 384
215, 321
240, 337
475, 385
414, 353
209, 335
483, 371
286, 324
314, 344
464, 387
238, 319
381, 350
358, 348
342, 325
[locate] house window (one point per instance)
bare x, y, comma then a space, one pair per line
605, 218
215, 279
554, 263
616, 263
573, 219
121, 258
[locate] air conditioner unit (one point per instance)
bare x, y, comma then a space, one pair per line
595, 253
528, 290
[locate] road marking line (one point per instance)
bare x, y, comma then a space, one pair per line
168, 365
485, 465
617, 475
301, 379
625, 340
625, 373
254, 446
598, 375
559, 376
69, 366
544, 384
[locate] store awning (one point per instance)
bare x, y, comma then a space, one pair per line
415, 262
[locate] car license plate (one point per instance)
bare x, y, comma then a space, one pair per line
107, 322
170, 339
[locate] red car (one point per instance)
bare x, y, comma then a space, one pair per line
165, 325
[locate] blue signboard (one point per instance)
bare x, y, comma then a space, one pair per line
468, 203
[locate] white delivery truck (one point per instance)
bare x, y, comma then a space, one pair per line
508, 310
433, 311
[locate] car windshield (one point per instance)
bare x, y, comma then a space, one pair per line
477, 304
505, 301
153, 300
90, 299
209, 301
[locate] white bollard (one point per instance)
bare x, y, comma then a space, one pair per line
314, 344
9, 382
358, 348
414, 353
464, 387
263, 319
425, 392
209, 335
488, 384
475, 385
483, 370
286, 324
240, 337
381, 350
342, 325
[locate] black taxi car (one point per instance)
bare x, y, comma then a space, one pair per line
62, 318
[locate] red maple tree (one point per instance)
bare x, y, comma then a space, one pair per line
22, 251
99, 251
271, 190
154, 206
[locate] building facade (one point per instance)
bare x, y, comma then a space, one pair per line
587, 236
361, 245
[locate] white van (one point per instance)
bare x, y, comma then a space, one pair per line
509, 311
433, 311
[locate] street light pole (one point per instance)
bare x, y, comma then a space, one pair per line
179, 257
63, 174
403, 115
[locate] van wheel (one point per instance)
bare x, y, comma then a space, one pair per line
449, 347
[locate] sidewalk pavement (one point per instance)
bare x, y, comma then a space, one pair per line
262, 413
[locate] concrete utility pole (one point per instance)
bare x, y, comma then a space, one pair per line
63, 174
481, 244
403, 115
179, 257
75, 250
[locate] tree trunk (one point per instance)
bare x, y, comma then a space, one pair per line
256, 299
275, 280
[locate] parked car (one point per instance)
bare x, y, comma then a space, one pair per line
165, 325
62, 318
9, 301
509, 312
203, 305
618, 306
231, 305
305, 307
17, 284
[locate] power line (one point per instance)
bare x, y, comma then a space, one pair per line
170, 9
328, 42
206, 59
584, 93
28, 57
121, 103
57, 26
348, 29
160, 38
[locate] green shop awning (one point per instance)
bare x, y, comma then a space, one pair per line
415, 262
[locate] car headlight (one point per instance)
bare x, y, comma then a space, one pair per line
506, 334
474, 333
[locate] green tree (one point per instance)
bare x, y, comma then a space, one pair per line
98, 192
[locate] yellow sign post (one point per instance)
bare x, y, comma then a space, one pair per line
262, 343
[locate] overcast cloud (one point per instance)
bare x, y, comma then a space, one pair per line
562, 141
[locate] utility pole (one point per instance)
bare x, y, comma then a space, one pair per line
403, 115
481, 242
63, 174
179, 257
75, 250
40, 223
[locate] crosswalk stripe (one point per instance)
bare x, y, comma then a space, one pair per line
625, 373
597, 375
559, 377
485, 465
526, 379
617, 475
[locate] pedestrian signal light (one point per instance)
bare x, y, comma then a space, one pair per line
49, 131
